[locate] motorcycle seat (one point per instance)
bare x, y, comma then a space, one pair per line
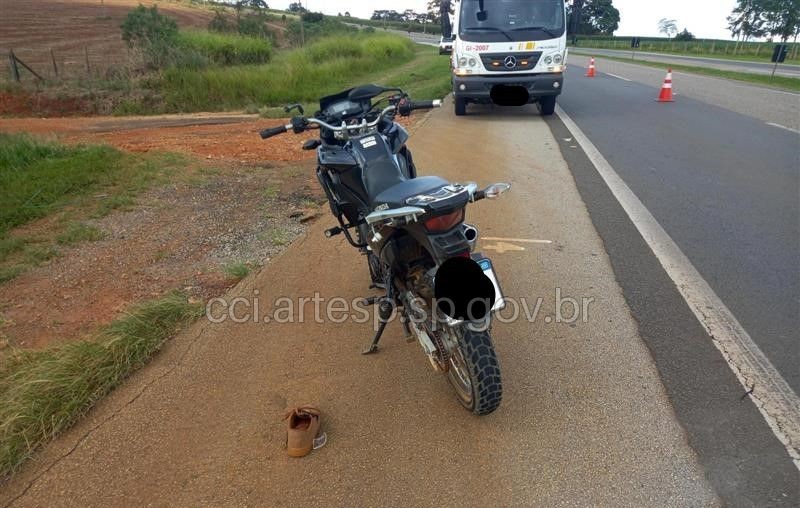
396, 195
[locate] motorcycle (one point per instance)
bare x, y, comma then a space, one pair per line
420, 252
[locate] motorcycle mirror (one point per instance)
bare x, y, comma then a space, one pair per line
494, 190
289, 107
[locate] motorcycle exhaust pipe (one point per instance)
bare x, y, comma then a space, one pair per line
471, 233
462, 291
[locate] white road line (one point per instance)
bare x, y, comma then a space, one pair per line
772, 395
618, 77
783, 127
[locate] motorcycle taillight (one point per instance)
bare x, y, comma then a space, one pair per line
444, 222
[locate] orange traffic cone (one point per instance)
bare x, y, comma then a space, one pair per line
666, 89
591, 72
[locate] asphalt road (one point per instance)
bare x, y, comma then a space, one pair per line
788, 70
723, 184
719, 170
585, 419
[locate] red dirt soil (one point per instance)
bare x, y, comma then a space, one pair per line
178, 235
227, 137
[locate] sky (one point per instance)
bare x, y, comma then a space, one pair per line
704, 18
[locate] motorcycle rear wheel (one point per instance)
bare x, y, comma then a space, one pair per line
474, 372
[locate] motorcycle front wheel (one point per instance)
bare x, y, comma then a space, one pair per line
474, 372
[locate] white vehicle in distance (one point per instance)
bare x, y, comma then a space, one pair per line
446, 45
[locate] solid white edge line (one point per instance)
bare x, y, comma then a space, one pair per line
771, 394
783, 127
618, 77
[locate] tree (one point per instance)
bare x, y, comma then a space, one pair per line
219, 23
602, 15
595, 17
668, 27
312, 17
781, 18
433, 9
150, 32
575, 13
296, 7
685, 35
747, 20
256, 5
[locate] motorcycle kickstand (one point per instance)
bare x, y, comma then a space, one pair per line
373, 348
385, 308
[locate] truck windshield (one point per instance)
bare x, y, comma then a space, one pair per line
511, 20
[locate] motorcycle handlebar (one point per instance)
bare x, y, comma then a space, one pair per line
403, 109
426, 104
274, 131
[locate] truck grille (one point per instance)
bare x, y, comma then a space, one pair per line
509, 62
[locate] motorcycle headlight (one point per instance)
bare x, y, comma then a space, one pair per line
557, 59
462, 62
548, 60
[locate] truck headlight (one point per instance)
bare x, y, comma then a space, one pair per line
462, 61
558, 59
472, 62
548, 60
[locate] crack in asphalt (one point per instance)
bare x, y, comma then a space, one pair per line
113, 415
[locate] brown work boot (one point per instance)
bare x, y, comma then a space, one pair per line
303, 427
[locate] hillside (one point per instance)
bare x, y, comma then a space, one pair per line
74, 30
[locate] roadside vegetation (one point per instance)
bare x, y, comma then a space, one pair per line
779, 82
201, 49
44, 392
750, 51
433, 28
251, 59
43, 178
300, 75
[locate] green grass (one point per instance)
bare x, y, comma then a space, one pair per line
236, 270
41, 178
780, 82
44, 392
78, 232
426, 77
8, 273
278, 237
303, 75
224, 49
10, 245
37, 254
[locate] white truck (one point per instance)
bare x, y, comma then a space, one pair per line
508, 52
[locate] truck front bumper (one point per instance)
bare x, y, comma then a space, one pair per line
478, 88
